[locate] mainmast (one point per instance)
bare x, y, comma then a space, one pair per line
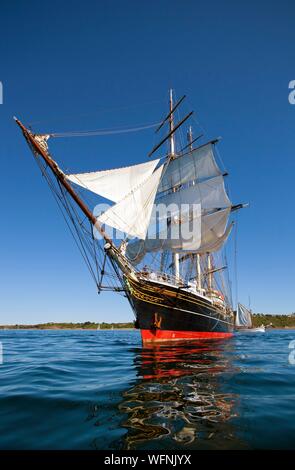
172, 155
171, 125
209, 272
198, 256
190, 138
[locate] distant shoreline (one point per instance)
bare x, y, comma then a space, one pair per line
59, 328
66, 329
26, 328
71, 326
276, 322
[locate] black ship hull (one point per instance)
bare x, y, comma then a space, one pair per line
168, 313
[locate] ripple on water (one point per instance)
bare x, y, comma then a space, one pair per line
102, 390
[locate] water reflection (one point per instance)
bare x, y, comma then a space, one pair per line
180, 400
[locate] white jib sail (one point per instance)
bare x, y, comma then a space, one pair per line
243, 317
114, 184
132, 214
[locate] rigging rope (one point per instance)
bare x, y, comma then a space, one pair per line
236, 260
79, 232
101, 109
102, 131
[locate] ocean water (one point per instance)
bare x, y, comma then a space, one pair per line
103, 390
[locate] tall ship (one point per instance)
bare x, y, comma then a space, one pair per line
159, 239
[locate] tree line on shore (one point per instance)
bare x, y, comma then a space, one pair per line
272, 321
71, 326
275, 321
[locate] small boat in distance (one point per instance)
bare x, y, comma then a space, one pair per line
243, 321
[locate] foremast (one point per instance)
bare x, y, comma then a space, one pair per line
208, 270
198, 256
200, 276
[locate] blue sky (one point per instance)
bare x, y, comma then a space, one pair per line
93, 64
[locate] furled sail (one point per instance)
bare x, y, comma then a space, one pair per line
132, 214
114, 184
243, 317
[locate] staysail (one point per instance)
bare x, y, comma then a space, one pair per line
243, 317
114, 184
194, 180
132, 214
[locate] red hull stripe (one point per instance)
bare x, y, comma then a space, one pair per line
151, 336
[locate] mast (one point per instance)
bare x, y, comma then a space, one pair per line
190, 138
209, 269
171, 125
199, 273
172, 155
198, 256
